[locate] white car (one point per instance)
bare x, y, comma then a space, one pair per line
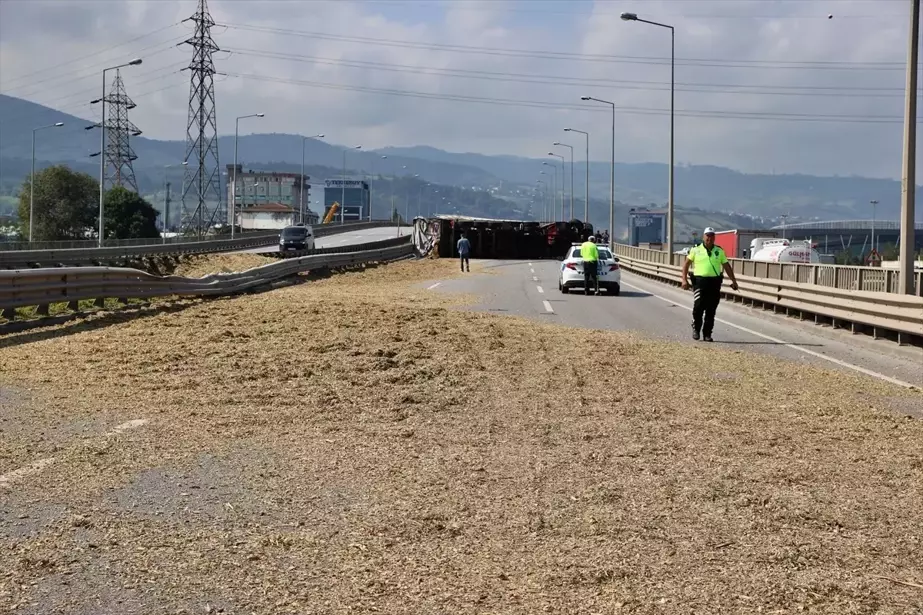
609, 273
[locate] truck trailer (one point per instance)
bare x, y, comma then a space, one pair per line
736, 243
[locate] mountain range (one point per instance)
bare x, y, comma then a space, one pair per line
763, 197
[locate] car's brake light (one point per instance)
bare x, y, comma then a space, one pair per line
571, 266
613, 267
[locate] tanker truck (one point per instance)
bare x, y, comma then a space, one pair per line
783, 251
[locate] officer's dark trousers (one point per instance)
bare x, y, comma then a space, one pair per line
706, 294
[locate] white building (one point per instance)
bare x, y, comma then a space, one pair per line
266, 217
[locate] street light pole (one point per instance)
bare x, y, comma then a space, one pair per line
371, 179
611, 172
544, 200
102, 144
343, 185
586, 204
563, 178
908, 178
873, 203
571, 175
166, 198
234, 178
634, 17
302, 182
32, 176
554, 189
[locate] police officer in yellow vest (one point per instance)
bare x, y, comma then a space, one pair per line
709, 264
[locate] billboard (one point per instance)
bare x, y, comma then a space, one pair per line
646, 227
350, 183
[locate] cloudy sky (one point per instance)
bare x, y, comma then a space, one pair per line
762, 86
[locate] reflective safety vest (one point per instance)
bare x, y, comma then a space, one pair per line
705, 265
589, 251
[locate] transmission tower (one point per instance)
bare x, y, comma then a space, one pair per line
119, 154
202, 182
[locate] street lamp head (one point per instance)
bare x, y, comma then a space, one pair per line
260, 115
135, 62
58, 124
96, 100
629, 16
556, 143
383, 157
185, 162
551, 153
568, 129
584, 98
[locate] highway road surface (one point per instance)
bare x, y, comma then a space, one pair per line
664, 311
344, 239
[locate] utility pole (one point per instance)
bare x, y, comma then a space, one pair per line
202, 178
874, 204
908, 177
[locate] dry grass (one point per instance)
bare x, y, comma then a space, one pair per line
357, 445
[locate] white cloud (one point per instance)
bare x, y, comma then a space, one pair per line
37, 34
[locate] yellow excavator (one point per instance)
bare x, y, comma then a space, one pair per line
330, 214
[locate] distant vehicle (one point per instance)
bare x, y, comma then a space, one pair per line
298, 237
783, 251
736, 242
608, 272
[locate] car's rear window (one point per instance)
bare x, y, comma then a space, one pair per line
603, 253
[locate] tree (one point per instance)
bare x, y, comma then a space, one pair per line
128, 215
66, 204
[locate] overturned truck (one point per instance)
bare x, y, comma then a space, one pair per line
502, 239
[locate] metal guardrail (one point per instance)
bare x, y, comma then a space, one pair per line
862, 309
20, 259
43, 287
843, 277
91, 244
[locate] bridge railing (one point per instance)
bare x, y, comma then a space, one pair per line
21, 259
843, 277
46, 287
832, 294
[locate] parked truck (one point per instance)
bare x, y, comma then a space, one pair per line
736, 243
783, 251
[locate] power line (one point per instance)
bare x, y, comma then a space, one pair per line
849, 119
90, 55
74, 107
593, 12
837, 91
92, 71
560, 55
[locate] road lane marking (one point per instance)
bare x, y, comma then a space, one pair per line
541, 290
37, 466
532, 270
33, 468
132, 424
433, 286
806, 351
548, 307
534, 279
530, 264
